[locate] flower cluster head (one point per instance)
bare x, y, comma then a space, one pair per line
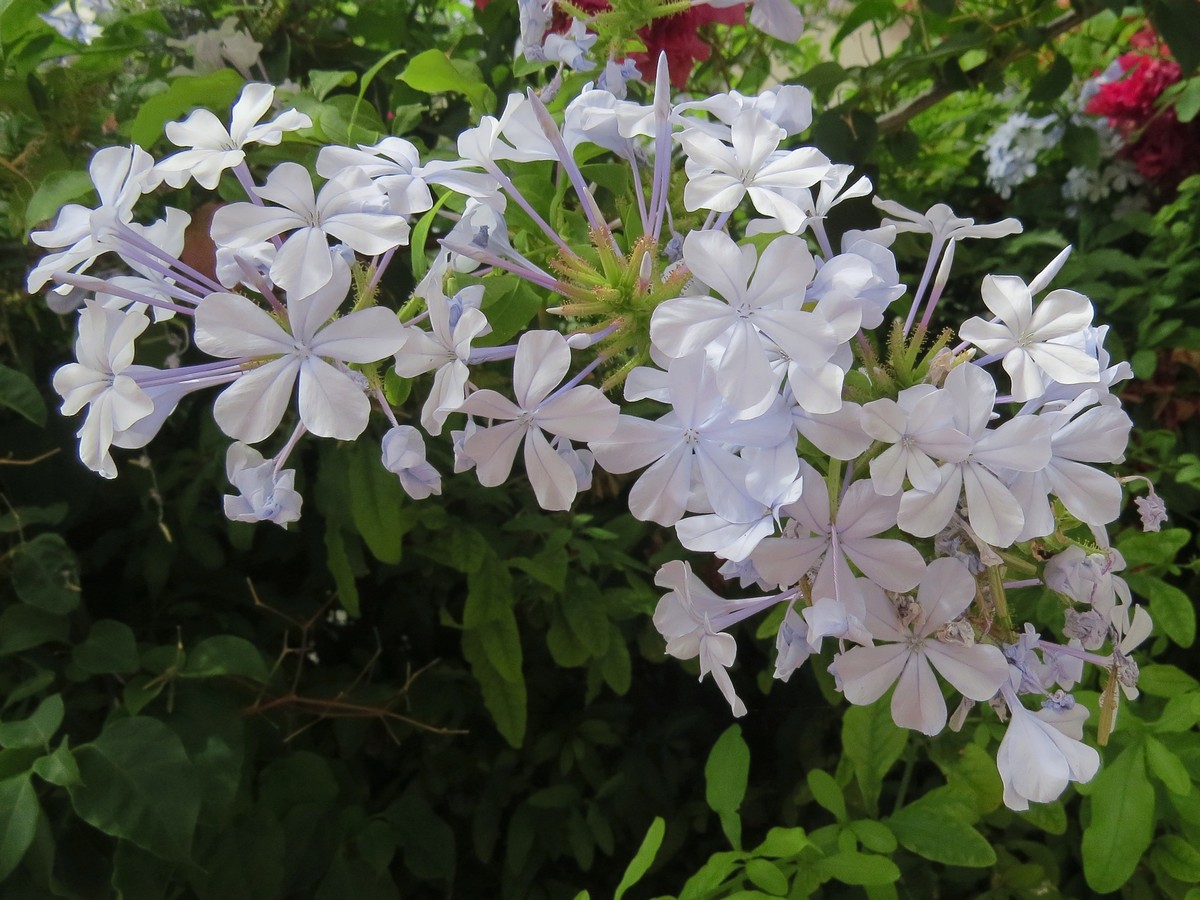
877, 483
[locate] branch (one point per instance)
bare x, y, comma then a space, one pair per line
893, 121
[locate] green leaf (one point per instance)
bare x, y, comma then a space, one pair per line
1152, 548
1050, 817
19, 811
45, 574
872, 742
874, 835
226, 654
933, 829
215, 91
420, 236
380, 508
644, 858
433, 72
1051, 85
20, 394
322, 81
827, 793
37, 730
1166, 681
138, 784
509, 311
726, 774
1122, 823
1167, 767
766, 876
1187, 104
851, 867
58, 767
1171, 609
1177, 858
783, 843
110, 649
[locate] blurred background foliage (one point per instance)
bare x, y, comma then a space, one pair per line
466, 696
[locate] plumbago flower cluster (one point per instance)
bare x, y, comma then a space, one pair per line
890, 493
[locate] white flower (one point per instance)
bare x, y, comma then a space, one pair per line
101, 381
580, 413
1031, 342
447, 347
761, 310
720, 175
404, 455
977, 670
395, 167
693, 619
120, 175
941, 222
1036, 759
212, 149
265, 493
348, 208
1021, 444
332, 403
919, 426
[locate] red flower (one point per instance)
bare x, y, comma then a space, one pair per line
1164, 149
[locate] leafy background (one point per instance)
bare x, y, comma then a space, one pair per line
466, 697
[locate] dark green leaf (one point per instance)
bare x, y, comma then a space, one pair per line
381, 510
139, 784
427, 839
19, 811
504, 699
1052, 84
24, 516
110, 648
58, 767
339, 567
1177, 22
17, 392
24, 627
45, 574
225, 654
1122, 824
37, 730
644, 858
